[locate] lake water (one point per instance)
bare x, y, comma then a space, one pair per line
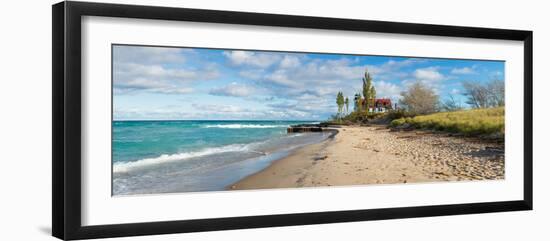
191, 156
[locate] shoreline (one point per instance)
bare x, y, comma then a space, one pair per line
304, 150
360, 155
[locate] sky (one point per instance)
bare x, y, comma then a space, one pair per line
162, 83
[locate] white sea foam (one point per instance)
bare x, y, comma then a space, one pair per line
128, 166
167, 158
243, 126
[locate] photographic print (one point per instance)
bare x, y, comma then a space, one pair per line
292, 120
188, 119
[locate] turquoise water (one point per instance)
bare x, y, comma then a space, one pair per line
188, 156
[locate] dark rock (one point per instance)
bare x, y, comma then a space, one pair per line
305, 128
297, 129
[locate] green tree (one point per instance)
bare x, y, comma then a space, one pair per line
340, 102
369, 92
346, 101
357, 102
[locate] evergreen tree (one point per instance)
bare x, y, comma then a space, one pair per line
340, 102
346, 101
367, 89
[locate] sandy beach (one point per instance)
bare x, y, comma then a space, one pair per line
360, 155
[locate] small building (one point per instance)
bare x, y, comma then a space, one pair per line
381, 105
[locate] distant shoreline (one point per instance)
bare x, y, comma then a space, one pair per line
360, 155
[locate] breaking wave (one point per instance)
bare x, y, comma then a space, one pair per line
243, 126
165, 158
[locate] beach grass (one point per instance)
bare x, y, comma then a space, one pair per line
472, 122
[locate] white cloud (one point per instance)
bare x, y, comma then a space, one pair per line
302, 106
294, 75
153, 114
252, 74
465, 70
219, 108
283, 105
234, 89
149, 55
129, 71
391, 69
184, 90
216, 111
258, 59
331, 69
311, 87
430, 74
335, 73
140, 84
387, 90
155, 69
290, 62
281, 77
318, 77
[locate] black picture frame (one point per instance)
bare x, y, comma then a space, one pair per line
66, 127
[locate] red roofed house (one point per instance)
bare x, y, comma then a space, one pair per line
381, 105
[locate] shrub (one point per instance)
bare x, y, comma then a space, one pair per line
355, 117
468, 122
400, 113
398, 122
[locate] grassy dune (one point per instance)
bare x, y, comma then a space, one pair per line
469, 122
